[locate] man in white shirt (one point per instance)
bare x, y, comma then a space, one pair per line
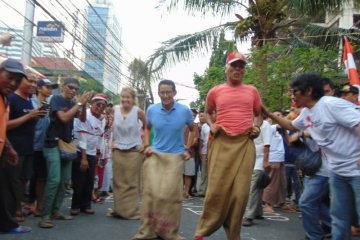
254, 205
204, 138
334, 124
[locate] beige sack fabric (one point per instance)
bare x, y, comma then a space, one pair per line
126, 183
231, 161
162, 197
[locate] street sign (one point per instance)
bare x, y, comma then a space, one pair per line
50, 31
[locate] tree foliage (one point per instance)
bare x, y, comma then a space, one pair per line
283, 65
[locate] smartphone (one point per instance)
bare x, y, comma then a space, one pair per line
44, 106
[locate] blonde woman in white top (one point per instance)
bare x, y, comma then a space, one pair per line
127, 155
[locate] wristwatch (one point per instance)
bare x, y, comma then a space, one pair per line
79, 104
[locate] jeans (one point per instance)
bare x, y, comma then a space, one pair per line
345, 191
58, 173
313, 206
292, 180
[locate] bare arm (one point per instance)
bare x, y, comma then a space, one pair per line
33, 115
266, 163
258, 119
283, 122
191, 136
142, 117
69, 115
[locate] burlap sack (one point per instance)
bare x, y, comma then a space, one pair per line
162, 197
126, 183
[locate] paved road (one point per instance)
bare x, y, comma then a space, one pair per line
276, 226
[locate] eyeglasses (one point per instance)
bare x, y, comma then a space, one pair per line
166, 93
72, 87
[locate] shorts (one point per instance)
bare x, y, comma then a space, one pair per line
189, 167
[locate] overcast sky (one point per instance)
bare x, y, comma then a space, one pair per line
143, 30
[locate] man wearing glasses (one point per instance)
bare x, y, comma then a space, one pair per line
164, 165
11, 75
335, 126
231, 155
89, 136
63, 110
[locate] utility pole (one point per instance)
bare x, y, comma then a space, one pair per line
28, 32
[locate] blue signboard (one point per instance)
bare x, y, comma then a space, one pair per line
50, 31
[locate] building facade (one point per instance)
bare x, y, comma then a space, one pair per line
103, 45
15, 49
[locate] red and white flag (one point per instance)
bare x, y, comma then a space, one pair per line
348, 60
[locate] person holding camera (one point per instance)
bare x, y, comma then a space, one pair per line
21, 131
41, 100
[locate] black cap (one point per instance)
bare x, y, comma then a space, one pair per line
13, 66
46, 82
350, 89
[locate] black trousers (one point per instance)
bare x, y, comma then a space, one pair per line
83, 183
8, 185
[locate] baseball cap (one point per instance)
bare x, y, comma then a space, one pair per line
350, 89
46, 82
13, 66
99, 96
235, 56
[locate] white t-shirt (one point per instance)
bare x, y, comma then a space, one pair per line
332, 124
204, 136
262, 140
277, 150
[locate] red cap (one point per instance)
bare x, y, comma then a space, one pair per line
100, 96
235, 56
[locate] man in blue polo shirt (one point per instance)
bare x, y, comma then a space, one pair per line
164, 165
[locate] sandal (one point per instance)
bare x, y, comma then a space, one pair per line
60, 216
74, 212
46, 223
18, 230
88, 211
98, 200
19, 217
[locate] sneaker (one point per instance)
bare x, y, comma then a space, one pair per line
260, 217
199, 238
247, 222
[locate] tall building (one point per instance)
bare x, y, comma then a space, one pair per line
14, 51
103, 45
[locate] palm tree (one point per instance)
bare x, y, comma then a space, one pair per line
140, 80
266, 20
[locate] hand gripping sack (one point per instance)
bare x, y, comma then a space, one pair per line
67, 150
309, 160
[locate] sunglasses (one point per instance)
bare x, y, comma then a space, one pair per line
294, 90
237, 64
72, 87
100, 105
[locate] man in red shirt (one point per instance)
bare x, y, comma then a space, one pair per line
231, 155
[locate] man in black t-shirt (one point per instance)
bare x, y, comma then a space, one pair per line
63, 110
